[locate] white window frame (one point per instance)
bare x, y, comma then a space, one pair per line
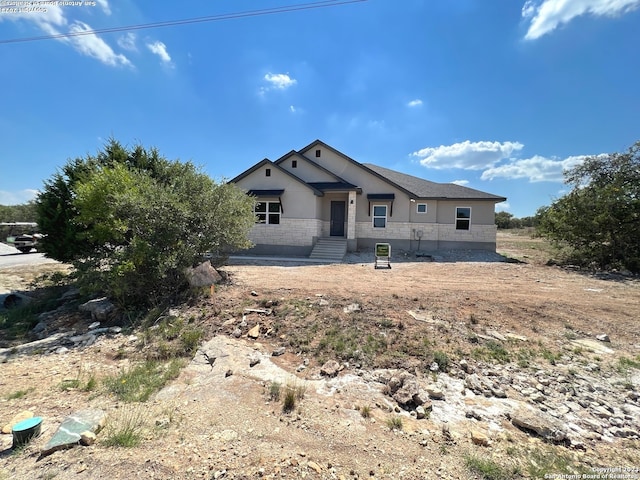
268, 213
374, 216
418, 208
463, 219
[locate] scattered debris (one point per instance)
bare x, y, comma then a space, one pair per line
353, 307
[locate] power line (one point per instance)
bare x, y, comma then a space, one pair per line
210, 18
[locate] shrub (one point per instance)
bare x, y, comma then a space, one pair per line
107, 214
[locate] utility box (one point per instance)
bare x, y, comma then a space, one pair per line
382, 255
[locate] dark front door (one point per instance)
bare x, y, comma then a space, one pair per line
337, 219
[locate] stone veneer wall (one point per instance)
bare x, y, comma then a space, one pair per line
290, 231
434, 236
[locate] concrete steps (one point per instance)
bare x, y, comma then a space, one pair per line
332, 249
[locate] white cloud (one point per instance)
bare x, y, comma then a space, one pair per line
466, 155
461, 182
17, 197
104, 4
160, 49
279, 81
503, 207
535, 169
415, 103
547, 15
128, 42
93, 46
53, 20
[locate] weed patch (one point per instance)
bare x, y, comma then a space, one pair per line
491, 351
140, 382
395, 423
487, 468
541, 464
19, 394
125, 429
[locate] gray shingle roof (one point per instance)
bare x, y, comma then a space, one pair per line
425, 189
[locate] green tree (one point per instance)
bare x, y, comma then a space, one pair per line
599, 219
503, 219
131, 222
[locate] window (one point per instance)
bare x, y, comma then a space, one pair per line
317, 153
267, 172
267, 213
294, 163
421, 208
463, 218
379, 216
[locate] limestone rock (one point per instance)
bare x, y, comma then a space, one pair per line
591, 345
330, 368
254, 332
100, 308
603, 338
69, 432
539, 423
314, 466
479, 438
87, 438
203, 275
278, 351
17, 418
435, 393
496, 335
420, 412
254, 360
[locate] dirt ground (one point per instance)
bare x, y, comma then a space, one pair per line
217, 426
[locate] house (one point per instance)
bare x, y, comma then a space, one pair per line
318, 192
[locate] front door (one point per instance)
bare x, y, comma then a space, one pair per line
337, 219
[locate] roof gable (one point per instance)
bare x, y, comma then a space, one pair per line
306, 159
361, 166
266, 161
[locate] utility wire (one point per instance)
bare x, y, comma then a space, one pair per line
211, 18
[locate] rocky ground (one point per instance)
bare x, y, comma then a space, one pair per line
462, 367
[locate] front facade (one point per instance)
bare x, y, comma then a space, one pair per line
319, 192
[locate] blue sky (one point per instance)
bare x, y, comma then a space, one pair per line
497, 95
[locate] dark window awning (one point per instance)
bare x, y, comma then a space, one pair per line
381, 196
269, 193
266, 193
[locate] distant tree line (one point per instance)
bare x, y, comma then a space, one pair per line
506, 220
25, 212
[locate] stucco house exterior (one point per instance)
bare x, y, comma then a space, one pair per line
318, 192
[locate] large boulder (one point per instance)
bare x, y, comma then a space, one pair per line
533, 421
204, 275
100, 308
